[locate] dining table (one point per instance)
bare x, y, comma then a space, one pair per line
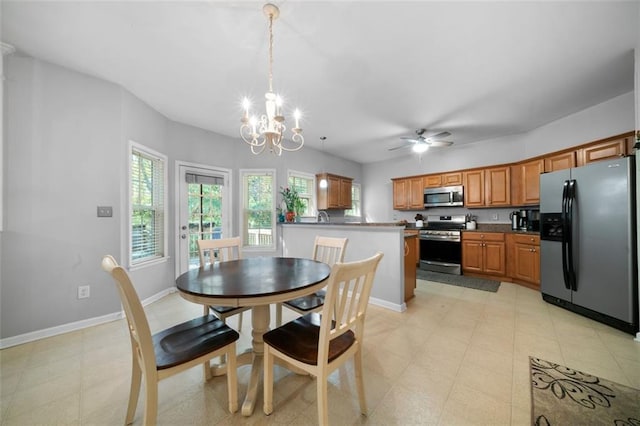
254, 282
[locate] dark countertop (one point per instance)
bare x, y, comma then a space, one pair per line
499, 227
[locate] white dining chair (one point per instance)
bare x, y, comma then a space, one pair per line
321, 346
171, 351
329, 250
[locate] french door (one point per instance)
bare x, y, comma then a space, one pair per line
204, 210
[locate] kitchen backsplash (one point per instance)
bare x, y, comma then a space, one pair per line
481, 215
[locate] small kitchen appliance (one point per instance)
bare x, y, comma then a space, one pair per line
514, 216
533, 220
522, 220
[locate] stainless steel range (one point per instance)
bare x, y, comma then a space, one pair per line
440, 244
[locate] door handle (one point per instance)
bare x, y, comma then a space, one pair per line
183, 227
183, 236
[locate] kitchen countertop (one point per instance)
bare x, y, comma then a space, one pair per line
481, 227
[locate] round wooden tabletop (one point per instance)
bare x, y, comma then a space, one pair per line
254, 277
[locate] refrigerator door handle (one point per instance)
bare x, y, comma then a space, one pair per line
563, 218
571, 198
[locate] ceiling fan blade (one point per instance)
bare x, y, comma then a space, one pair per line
440, 143
411, 139
399, 147
440, 135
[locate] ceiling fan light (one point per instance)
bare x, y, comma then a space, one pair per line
420, 147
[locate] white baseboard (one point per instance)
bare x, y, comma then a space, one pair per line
76, 325
388, 305
637, 339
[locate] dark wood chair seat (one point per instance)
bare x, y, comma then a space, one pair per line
307, 303
299, 339
190, 340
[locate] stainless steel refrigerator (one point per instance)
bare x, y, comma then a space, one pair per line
588, 260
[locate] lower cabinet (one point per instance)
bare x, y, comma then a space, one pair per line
410, 260
484, 253
523, 253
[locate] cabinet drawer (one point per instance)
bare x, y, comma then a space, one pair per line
526, 239
483, 236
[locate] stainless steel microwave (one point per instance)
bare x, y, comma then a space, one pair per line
445, 196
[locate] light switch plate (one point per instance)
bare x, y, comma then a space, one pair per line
105, 211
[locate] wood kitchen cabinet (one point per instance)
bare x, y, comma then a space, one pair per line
474, 188
432, 181
408, 193
523, 254
525, 182
337, 194
561, 161
497, 181
442, 179
487, 187
410, 260
484, 253
602, 151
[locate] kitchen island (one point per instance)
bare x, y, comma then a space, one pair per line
364, 240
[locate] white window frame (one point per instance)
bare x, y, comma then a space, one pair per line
353, 201
243, 225
312, 196
159, 257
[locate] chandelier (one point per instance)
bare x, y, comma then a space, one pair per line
268, 130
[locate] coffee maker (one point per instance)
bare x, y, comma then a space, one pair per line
533, 220
522, 220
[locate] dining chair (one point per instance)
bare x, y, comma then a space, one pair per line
222, 250
321, 345
328, 250
170, 351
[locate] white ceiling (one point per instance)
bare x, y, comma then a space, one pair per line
364, 73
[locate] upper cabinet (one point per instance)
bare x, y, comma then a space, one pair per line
474, 188
497, 183
337, 194
487, 187
442, 179
602, 151
525, 182
408, 193
563, 160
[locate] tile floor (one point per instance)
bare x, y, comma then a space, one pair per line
455, 357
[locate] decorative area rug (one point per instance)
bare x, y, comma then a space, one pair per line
459, 280
562, 396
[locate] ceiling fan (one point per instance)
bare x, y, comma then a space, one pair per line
420, 143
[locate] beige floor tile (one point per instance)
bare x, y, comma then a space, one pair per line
63, 411
467, 406
456, 356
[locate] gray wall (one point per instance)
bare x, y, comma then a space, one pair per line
65, 152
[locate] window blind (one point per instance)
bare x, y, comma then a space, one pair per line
147, 207
204, 180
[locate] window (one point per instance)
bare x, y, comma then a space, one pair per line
305, 184
147, 205
355, 209
258, 208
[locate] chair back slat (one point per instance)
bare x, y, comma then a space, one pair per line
329, 250
139, 329
220, 250
346, 300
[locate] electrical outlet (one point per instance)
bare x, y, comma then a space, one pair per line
495, 216
83, 292
105, 211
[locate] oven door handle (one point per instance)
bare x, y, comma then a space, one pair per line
440, 238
